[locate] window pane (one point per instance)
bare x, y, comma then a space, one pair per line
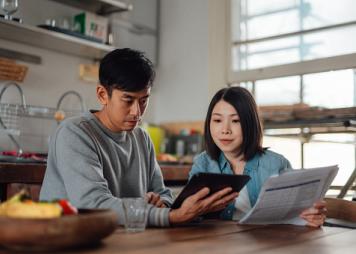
293, 49
317, 13
277, 91
251, 17
247, 85
255, 19
333, 89
317, 154
289, 148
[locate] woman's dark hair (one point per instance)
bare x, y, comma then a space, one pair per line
126, 69
244, 103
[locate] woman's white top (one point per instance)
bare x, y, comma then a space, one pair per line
242, 204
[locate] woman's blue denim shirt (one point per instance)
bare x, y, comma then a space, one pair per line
259, 168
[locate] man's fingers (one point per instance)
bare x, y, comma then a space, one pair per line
155, 199
149, 197
160, 204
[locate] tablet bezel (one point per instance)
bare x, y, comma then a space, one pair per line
213, 181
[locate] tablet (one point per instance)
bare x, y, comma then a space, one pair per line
214, 182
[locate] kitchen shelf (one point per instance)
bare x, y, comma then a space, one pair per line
101, 7
330, 125
313, 120
39, 37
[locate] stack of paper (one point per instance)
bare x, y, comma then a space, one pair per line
284, 197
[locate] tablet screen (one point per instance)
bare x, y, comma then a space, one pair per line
214, 182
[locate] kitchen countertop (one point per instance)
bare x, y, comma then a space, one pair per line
20, 175
34, 172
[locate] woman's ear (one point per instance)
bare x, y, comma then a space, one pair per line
102, 95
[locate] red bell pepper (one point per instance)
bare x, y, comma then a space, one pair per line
67, 207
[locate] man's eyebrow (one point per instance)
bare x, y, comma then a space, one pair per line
134, 97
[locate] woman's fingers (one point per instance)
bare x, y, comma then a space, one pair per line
317, 208
315, 215
223, 202
199, 195
320, 204
217, 196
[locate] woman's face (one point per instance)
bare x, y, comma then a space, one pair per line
225, 127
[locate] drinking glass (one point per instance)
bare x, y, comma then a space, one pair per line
9, 7
135, 212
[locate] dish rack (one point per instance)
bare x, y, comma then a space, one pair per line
10, 115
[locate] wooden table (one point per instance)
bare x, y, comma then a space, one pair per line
228, 237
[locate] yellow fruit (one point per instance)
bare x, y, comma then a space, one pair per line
31, 210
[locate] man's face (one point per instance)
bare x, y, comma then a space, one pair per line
123, 110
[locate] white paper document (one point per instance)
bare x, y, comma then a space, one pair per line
284, 197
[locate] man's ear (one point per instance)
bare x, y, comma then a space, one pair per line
102, 94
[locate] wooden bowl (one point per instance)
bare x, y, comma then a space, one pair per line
86, 228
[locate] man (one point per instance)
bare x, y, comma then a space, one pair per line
102, 156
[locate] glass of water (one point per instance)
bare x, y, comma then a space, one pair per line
135, 212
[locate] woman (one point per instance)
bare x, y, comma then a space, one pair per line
233, 138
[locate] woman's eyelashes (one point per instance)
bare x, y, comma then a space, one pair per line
218, 120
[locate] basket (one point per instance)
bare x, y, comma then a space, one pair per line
9, 70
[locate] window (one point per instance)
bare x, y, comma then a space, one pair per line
299, 51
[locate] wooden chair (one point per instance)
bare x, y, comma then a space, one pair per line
340, 212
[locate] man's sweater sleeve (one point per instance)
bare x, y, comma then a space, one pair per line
156, 181
80, 168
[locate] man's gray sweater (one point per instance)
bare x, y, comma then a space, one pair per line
94, 167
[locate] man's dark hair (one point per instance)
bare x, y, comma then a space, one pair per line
126, 69
243, 102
